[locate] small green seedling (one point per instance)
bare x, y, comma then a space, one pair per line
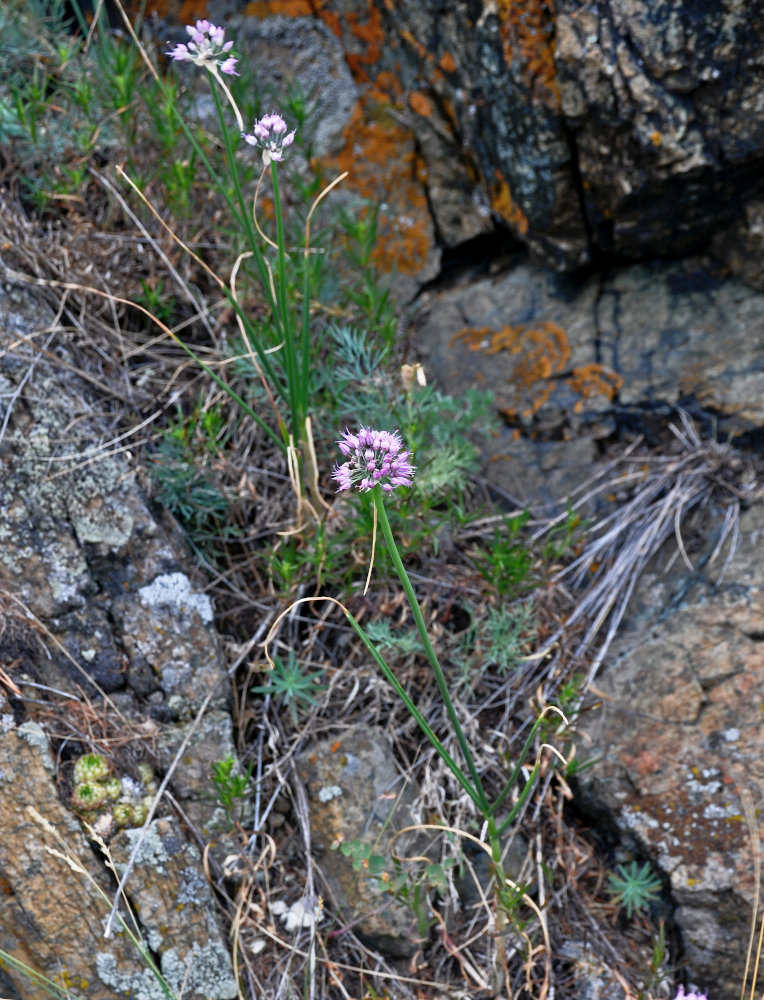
634, 888
293, 684
231, 785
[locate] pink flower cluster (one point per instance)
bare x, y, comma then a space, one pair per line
206, 47
374, 458
270, 134
681, 995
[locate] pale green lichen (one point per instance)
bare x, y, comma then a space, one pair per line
205, 971
141, 985
34, 734
152, 850
174, 590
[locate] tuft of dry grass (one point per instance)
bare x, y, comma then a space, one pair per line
676, 493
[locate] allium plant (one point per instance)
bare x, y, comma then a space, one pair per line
206, 47
282, 358
681, 995
374, 458
376, 462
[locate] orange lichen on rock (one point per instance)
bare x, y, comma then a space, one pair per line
541, 353
592, 380
287, 8
447, 63
416, 45
175, 11
295, 8
384, 167
420, 104
506, 208
527, 30
371, 34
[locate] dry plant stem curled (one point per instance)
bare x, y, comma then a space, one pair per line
389, 675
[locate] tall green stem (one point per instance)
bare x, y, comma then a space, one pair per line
440, 677
291, 360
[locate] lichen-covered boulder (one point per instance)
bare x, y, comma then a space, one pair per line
570, 363
80, 547
357, 797
626, 127
677, 732
52, 917
96, 597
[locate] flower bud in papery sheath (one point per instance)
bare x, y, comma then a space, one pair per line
374, 458
270, 134
206, 47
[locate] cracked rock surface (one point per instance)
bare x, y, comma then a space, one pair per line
626, 127
111, 611
570, 363
678, 731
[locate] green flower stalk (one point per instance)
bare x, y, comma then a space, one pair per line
378, 459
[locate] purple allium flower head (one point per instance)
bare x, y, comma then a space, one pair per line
681, 995
374, 458
270, 134
206, 47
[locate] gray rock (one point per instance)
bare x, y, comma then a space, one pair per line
80, 546
569, 362
174, 903
628, 127
679, 734
356, 793
51, 918
301, 55
112, 607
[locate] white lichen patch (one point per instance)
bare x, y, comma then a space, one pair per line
174, 590
329, 792
205, 971
724, 811
141, 985
193, 887
35, 736
152, 851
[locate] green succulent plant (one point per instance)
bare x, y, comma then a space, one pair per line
91, 767
97, 792
635, 887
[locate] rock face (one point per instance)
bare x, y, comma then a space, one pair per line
111, 611
680, 739
81, 549
627, 127
630, 128
569, 363
355, 793
51, 918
